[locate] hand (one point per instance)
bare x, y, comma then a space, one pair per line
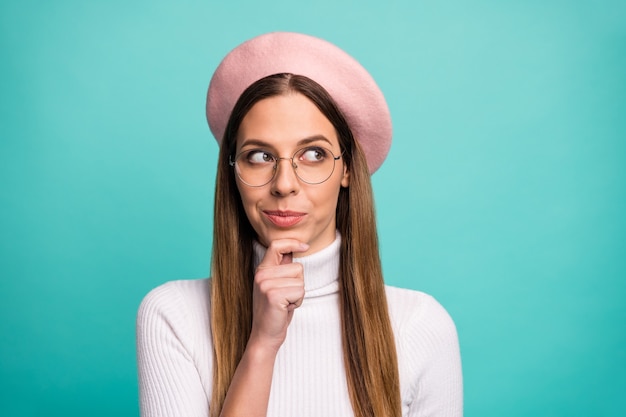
278, 291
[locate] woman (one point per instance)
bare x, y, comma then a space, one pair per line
296, 319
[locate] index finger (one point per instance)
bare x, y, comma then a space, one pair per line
281, 251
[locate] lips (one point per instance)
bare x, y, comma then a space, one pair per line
284, 218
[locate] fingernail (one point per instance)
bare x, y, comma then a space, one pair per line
304, 246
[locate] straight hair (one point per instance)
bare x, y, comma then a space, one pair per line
369, 350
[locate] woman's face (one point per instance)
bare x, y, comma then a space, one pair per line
287, 207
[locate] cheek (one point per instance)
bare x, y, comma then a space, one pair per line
329, 198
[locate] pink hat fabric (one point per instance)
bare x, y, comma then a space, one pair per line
350, 85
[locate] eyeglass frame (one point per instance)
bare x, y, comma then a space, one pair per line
277, 159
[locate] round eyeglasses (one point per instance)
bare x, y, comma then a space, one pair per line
257, 167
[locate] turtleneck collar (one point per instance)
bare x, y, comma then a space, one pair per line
321, 269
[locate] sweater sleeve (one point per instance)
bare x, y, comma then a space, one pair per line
432, 338
169, 383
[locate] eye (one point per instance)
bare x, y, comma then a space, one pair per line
313, 154
259, 157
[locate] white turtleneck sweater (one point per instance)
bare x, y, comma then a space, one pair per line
175, 354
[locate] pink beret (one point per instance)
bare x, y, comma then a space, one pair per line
350, 85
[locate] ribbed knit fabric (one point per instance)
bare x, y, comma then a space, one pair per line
174, 350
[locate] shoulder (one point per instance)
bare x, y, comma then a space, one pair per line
175, 294
176, 304
428, 352
419, 320
410, 307
174, 350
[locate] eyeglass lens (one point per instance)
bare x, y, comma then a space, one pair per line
312, 164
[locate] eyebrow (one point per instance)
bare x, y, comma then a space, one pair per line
301, 142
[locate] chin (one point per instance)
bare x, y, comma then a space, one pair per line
266, 238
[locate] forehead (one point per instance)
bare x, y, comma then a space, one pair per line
283, 121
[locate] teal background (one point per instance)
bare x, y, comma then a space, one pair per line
503, 194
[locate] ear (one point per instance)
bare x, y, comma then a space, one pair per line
345, 179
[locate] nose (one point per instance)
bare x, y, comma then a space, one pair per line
285, 181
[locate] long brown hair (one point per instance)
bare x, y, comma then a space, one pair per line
368, 343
